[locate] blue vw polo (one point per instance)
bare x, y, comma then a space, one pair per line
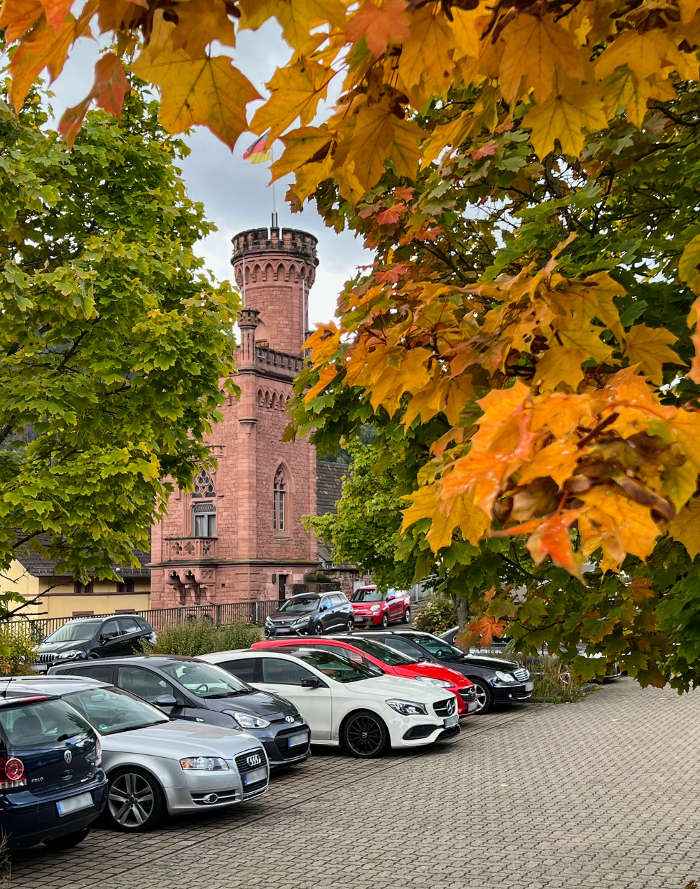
52, 786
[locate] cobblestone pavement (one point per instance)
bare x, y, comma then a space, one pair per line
599, 795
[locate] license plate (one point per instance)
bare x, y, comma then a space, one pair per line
299, 738
74, 803
451, 721
471, 706
279, 630
254, 776
529, 686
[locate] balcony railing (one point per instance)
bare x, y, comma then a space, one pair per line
188, 549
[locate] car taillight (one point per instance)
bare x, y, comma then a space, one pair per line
11, 773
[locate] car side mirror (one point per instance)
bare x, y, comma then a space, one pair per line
390, 596
165, 701
311, 682
323, 607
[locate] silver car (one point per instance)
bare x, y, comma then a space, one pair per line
157, 765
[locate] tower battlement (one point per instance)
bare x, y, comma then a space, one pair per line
261, 241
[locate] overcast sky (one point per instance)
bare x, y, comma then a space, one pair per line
235, 193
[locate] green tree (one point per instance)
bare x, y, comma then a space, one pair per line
113, 337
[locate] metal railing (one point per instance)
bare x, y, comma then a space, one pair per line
248, 612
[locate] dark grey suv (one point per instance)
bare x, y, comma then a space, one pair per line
312, 614
94, 637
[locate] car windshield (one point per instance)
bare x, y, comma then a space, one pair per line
76, 632
335, 667
112, 710
368, 594
300, 605
205, 680
383, 652
437, 647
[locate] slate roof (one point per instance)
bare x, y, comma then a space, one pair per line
329, 485
40, 566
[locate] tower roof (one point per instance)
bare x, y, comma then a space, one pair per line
262, 241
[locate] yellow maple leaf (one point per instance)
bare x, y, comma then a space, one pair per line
680, 482
686, 528
557, 461
199, 22
297, 18
467, 26
650, 348
428, 49
559, 364
309, 176
566, 116
630, 522
18, 16
625, 91
452, 134
296, 91
689, 265
208, 91
301, 146
685, 425
379, 135
534, 49
649, 54
327, 375
587, 340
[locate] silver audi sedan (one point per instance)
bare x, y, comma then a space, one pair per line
156, 765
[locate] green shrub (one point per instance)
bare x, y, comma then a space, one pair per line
553, 681
436, 616
17, 652
202, 637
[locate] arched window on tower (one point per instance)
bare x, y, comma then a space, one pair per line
204, 520
204, 485
279, 503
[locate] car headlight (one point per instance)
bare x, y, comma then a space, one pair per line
204, 763
504, 677
443, 683
375, 609
300, 621
268, 622
70, 655
247, 720
408, 708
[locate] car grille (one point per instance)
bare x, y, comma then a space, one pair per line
287, 752
446, 707
247, 762
46, 658
468, 693
521, 674
212, 799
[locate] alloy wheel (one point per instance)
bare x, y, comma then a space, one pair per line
407, 616
131, 801
385, 620
483, 697
365, 735
350, 625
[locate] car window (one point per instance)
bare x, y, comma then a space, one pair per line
367, 595
93, 671
144, 683
110, 630
80, 631
128, 625
282, 672
383, 652
339, 599
326, 602
340, 669
300, 604
112, 710
205, 680
36, 725
247, 669
404, 645
438, 647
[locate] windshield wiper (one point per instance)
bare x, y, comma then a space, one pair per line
224, 694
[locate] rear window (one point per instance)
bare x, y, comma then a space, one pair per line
42, 723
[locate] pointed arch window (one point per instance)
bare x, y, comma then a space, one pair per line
204, 520
204, 485
279, 502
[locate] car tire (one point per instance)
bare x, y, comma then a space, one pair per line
385, 621
318, 628
407, 616
350, 625
145, 812
484, 697
364, 735
68, 840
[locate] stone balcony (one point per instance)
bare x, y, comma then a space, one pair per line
189, 549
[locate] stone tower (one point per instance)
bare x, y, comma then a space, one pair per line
239, 534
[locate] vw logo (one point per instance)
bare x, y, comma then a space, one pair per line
289, 719
254, 760
68, 756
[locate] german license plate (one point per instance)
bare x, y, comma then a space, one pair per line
529, 686
299, 738
451, 721
74, 803
254, 776
279, 630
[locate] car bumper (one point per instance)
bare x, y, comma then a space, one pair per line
272, 632
209, 790
367, 620
26, 819
512, 694
279, 752
418, 731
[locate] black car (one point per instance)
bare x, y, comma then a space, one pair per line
497, 681
187, 688
313, 614
94, 637
52, 786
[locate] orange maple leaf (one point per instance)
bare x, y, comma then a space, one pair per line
379, 26
488, 629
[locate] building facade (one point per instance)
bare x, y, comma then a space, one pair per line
239, 534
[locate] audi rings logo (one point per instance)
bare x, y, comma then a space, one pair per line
254, 760
289, 719
68, 756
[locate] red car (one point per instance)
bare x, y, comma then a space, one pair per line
390, 662
374, 608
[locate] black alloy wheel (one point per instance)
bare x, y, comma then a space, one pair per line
134, 800
67, 841
364, 735
385, 621
318, 628
484, 697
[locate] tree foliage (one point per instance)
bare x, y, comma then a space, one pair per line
113, 338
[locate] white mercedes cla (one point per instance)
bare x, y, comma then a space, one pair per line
345, 704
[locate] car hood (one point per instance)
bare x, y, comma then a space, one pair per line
490, 663
260, 703
398, 687
56, 647
435, 671
179, 738
290, 616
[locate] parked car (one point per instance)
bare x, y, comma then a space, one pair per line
155, 764
94, 637
390, 662
497, 681
186, 688
312, 613
374, 608
348, 705
52, 786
